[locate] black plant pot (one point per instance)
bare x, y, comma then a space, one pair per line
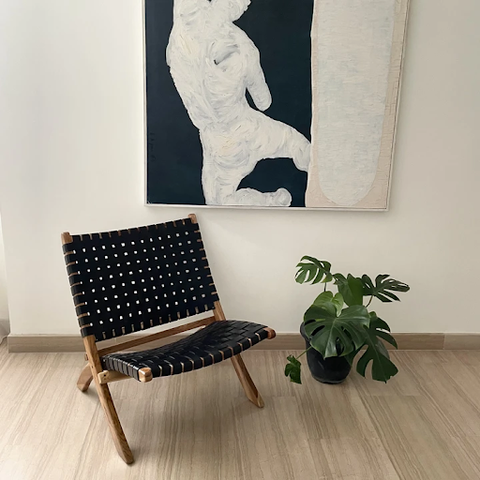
325, 370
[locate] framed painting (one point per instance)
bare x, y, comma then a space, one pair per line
272, 103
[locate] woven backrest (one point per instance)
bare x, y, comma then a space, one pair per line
130, 280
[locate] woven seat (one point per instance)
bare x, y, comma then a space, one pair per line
212, 344
131, 280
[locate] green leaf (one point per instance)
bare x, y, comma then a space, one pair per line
293, 369
351, 288
382, 367
377, 325
387, 337
327, 298
301, 275
322, 307
320, 312
351, 356
313, 270
378, 322
323, 299
334, 335
383, 287
338, 302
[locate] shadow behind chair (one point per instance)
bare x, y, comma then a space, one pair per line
130, 280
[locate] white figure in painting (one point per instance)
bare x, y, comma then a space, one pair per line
213, 63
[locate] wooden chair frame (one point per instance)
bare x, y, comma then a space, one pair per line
94, 371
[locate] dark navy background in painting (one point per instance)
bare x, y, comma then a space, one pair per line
281, 31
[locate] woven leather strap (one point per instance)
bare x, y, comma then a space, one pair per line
212, 344
130, 280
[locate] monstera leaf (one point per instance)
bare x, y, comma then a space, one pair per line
312, 270
383, 287
334, 330
377, 326
351, 288
293, 369
382, 367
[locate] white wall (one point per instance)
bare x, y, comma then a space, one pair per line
72, 156
3, 284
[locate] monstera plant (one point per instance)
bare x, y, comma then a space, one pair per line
341, 324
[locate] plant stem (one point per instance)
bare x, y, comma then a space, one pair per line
370, 301
304, 352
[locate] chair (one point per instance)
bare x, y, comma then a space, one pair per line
131, 280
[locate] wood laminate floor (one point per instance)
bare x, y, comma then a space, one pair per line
424, 424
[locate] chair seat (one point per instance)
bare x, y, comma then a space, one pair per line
212, 344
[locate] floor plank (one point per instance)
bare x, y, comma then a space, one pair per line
423, 425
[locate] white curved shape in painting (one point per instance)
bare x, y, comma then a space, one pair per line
353, 48
213, 63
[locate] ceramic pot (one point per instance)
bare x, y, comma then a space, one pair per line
325, 370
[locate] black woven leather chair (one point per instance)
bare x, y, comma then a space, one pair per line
130, 280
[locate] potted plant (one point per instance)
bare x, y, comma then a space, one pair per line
337, 327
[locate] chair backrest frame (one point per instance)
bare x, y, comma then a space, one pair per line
141, 277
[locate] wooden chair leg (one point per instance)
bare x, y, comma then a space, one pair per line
246, 381
85, 378
116, 430
103, 391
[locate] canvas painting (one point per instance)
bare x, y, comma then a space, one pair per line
272, 103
